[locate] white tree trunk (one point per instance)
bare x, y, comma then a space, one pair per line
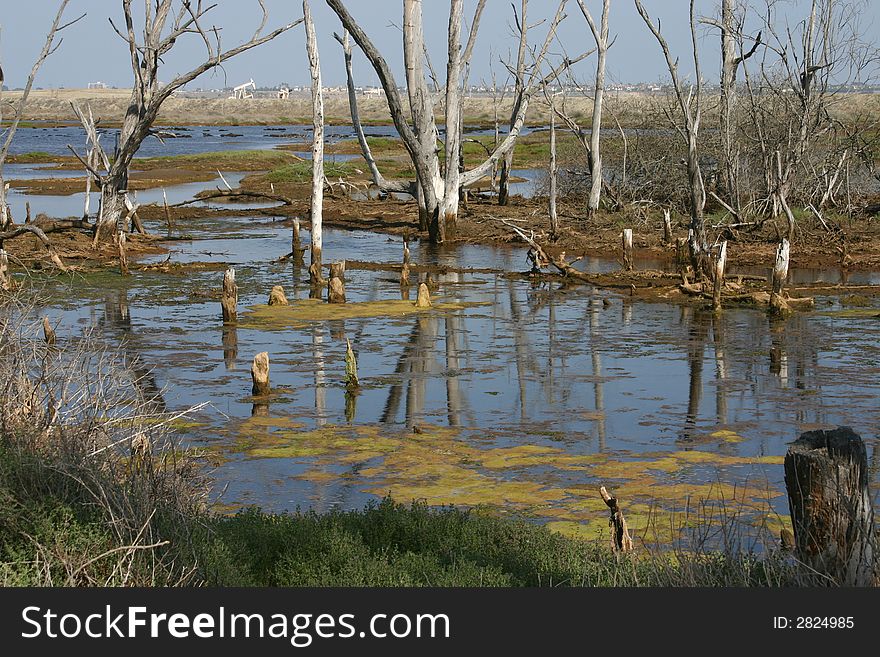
449, 204
317, 200
600, 35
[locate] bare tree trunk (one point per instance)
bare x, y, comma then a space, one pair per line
522, 25
728, 91
720, 264
600, 35
317, 199
554, 215
449, 205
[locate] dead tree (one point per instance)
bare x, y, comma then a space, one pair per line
519, 76
621, 540
49, 47
435, 183
690, 103
600, 35
731, 26
161, 29
317, 198
826, 476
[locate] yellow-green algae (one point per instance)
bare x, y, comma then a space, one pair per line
440, 466
303, 311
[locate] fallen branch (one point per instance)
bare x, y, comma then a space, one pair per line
31, 228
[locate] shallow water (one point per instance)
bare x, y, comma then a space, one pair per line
523, 397
527, 403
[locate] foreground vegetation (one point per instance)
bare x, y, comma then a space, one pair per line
95, 490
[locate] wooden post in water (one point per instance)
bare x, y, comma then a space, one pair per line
621, 541
260, 374
48, 332
778, 304
336, 285
826, 476
351, 369
277, 297
667, 226
628, 249
229, 299
424, 298
720, 264
123, 260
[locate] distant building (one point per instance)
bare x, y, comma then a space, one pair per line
97, 85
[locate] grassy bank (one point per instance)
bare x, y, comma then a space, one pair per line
96, 490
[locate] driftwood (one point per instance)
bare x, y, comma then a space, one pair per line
48, 332
36, 230
621, 541
826, 476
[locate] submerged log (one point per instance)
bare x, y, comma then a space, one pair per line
277, 297
628, 249
826, 477
424, 298
229, 298
260, 374
621, 541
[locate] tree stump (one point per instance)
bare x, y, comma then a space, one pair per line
48, 332
277, 297
229, 298
123, 259
315, 278
628, 249
424, 298
778, 303
667, 227
337, 270
720, 264
351, 368
682, 253
260, 374
826, 476
621, 541
335, 291
404, 275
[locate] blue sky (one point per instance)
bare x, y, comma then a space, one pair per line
92, 51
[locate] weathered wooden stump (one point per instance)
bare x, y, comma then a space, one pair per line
404, 275
335, 291
229, 338
229, 298
315, 278
337, 270
627, 249
277, 297
778, 303
260, 374
295, 241
720, 264
667, 227
351, 368
48, 332
406, 253
424, 298
826, 476
336, 284
621, 541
